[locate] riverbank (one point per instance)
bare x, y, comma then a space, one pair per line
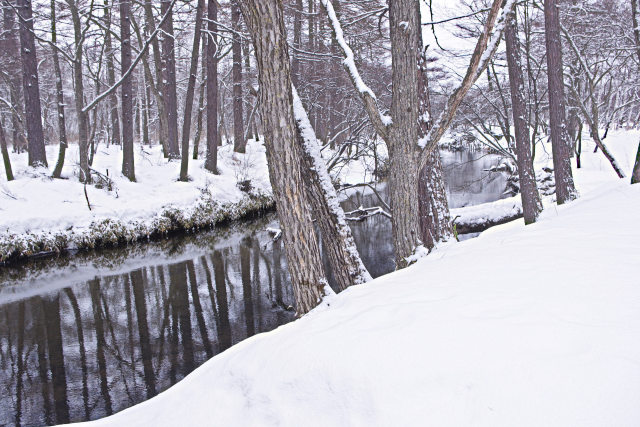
525, 325
43, 216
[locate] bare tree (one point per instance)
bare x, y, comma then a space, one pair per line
62, 127
239, 143
265, 21
169, 96
31, 86
531, 204
128, 167
565, 188
111, 77
211, 161
5, 154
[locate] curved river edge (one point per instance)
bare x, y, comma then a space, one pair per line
110, 233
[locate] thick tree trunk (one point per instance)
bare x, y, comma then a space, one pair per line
62, 127
404, 24
169, 95
191, 87
531, 204
111, 78
338, 243
565, 188
128, 167
239, 143
211, 161
434, 216
31, 86
5, 155
266, 25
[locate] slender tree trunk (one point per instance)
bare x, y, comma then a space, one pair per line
62, 127
201, 97
128, 166
83, 353
531, 204
31, 86
297, 43
98, 318
111, 78
169, 80
635, 175
211, 161
239, 143
83, 125
197, 308
565, 188
247, 296
5, 154
434, 216
191, 87
146, 95
224, 325
266, 25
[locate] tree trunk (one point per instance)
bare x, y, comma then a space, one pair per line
31, 86
51, 308
201, 97
239, 143
434, 216
404, 25
635, 175
565, 188
531, 204
636, 27
191, 87
111, 78
62, 127
266, 25
338, 242
5, 155
128, 167
169, 95
211, 161
297, 43
83, 126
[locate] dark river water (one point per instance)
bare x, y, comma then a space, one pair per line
86, 336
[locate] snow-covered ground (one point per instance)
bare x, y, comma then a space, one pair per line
526, 326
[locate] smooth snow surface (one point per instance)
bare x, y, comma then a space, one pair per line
523, 326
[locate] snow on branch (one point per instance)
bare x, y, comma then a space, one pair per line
486, 47
380, 121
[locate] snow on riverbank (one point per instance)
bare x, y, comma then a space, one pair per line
527, 326
38, 213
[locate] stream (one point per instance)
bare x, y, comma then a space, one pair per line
86, 336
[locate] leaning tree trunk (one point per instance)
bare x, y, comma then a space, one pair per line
191, 87
128, 167
31, 86
565, 188
5, 155
404, 24
62, 127
211, 160
265, 21
239, 143
531, 204
434, 215
338, 242
169, 95
635, 175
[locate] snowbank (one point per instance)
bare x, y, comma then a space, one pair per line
39, 214
527, 326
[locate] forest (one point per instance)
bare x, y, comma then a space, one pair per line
320, 212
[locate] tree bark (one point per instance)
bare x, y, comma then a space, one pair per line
5, 155
169, 95
565, 188
434, 216
31, 86
83, 126
265, 21
531, 204
128, 166
62, 127
111, 78
297, 42
239, 143
211, 161
635, 175
191, 87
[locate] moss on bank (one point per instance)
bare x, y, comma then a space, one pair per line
108, 233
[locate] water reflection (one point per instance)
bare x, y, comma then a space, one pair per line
85, 337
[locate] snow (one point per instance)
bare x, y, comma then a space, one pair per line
36, 204
534, 325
